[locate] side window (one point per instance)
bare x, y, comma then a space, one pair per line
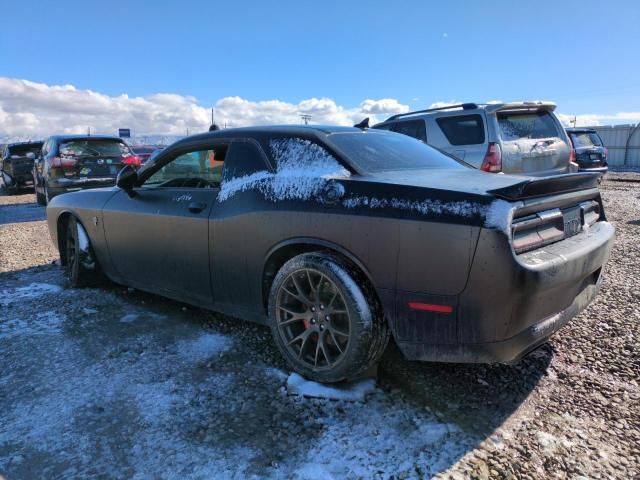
462, 129
196, 169
412, 128
388, 126
243, 158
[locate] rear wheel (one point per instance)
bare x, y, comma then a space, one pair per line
325, 318
80, 266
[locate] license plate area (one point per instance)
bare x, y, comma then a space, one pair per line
572, 218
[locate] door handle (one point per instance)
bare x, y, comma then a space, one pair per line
197, 207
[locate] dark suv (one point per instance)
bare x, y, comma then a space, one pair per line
75, 162
591, 154
16, 163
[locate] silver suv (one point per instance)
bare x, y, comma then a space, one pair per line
523, 138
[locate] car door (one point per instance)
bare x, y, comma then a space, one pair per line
159, 239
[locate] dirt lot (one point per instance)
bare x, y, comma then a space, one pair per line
116, 383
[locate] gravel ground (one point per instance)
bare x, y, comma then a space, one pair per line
116, 383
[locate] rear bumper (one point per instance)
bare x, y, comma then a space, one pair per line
594, 169
511, 304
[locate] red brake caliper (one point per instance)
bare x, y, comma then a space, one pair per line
306, 323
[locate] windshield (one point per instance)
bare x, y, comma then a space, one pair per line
22, 150
94, 148
585, 139
380, 150
517, 125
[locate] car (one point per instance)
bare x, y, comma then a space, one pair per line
16, 163
339, 237
591, 154
143, 152
73, 162
523, 138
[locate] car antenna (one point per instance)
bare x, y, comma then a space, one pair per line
364, 124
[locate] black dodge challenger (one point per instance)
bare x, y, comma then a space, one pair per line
340, 237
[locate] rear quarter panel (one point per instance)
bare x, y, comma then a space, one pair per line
399, 250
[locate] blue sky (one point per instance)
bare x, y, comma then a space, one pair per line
581, 54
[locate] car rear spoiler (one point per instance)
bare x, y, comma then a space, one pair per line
538, 187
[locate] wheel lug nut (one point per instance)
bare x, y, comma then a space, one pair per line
313, 320
327, 318
313, 309
321, 307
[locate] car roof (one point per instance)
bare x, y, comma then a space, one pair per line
287, 130
85, 137
469, 107
581, 130
14, 144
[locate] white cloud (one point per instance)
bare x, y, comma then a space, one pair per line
593, 120
37, 109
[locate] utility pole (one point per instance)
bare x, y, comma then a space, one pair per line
305, 118
574, 121
88, 131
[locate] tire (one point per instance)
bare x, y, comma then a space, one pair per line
325, 318
80, 266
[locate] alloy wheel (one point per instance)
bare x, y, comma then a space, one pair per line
313, 319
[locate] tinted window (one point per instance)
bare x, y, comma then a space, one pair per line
585, 139
516, 125
22, 150
94, 148
144, 150
196, 169
463, 129
413, 128
376, 151
243, 158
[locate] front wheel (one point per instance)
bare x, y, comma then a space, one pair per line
325, 318
80, 266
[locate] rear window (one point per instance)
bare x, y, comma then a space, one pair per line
377, 151
22, 150
143, 150
94, 148
517, 125
585, 139
462, 129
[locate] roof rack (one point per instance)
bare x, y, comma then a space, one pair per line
464, 106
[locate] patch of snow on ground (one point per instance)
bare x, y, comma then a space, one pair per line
302, 169
379, 443
45, 323
353, 391
203, 347
33, 290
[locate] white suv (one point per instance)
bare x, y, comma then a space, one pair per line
522, 138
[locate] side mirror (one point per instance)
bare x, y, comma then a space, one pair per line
127, 179
31, 156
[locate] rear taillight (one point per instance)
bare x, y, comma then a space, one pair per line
132, 160
493, 159
572, 154
605, 154
62, 162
